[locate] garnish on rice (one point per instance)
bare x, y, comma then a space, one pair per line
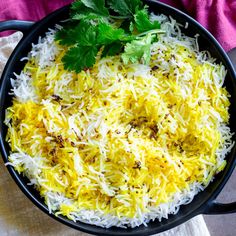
92, 28
136, 128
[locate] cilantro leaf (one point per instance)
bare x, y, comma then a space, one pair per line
98, 6
83, 33
88, 9
67, 35
138, 49
76, 5
87, 16
79, 11
112, 49
125, 7
108, 34
80, 57
86, 34
89, 30
143, 23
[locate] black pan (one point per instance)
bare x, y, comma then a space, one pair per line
203, 203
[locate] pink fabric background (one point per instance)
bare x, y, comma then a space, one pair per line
218, 16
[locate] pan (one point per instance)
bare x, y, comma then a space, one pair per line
204, 202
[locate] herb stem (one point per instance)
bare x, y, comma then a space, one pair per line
120, 17
155, 31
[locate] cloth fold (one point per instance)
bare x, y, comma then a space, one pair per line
218, 16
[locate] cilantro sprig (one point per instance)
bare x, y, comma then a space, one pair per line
110, 26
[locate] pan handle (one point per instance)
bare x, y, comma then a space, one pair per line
18, 25
220, 208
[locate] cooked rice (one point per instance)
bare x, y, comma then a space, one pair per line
120, 145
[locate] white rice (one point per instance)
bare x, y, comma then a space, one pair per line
44, 53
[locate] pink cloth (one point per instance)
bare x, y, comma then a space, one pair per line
28, 9
218, 16
32, 10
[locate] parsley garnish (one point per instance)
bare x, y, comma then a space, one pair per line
125, 8
88, 9
138, 49
112, 26
80, 57
143, 23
